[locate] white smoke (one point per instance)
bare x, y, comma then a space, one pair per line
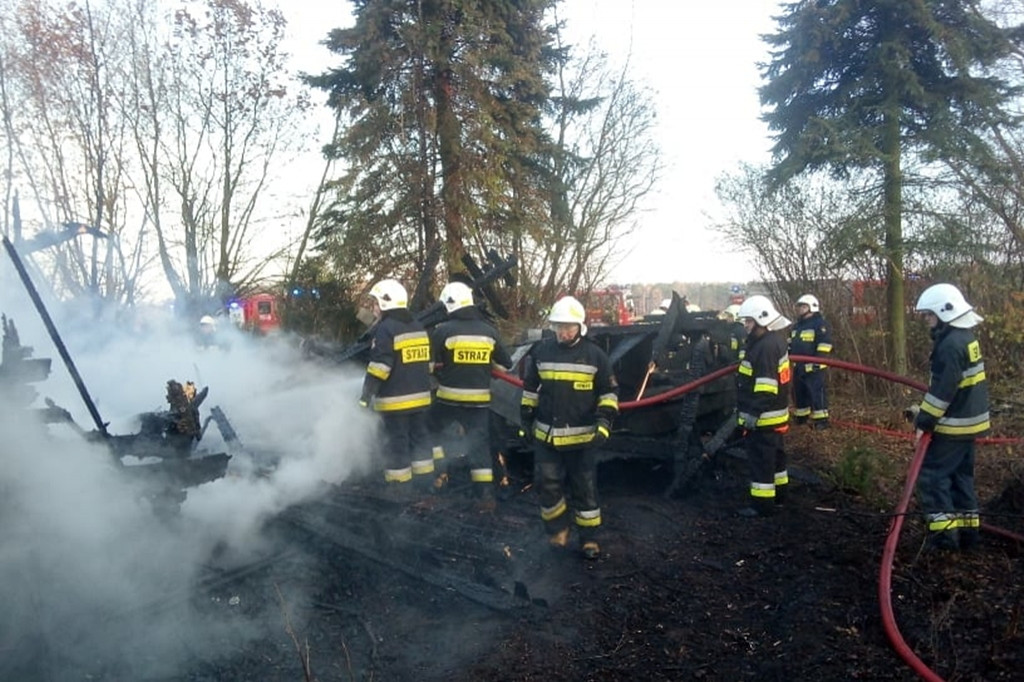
85, 562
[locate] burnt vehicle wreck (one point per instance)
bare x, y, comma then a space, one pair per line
162, 459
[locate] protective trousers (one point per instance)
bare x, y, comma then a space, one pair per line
766, 456
945, 491
465, 431
564, 480
809, 395
408, 452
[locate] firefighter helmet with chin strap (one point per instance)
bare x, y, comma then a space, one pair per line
568, 310
390, 294
456, 295
949, 305
762, 311
811, 301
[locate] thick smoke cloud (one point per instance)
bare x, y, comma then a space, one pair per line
90, 576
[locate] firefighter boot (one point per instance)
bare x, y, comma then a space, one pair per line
559, 538
942, 541
969, 539
442, 477
759, 507
486, 502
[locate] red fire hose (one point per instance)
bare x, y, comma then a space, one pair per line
892, 540
885, 571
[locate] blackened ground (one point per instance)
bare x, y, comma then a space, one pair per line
373, 589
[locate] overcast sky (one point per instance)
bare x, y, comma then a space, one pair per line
700, 59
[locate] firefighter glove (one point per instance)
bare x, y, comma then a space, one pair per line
525, 416
524, 437
604, 430
364, 403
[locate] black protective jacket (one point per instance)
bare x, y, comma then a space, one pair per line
762, 383
810, 336
956, 405
398, 375
465, 348
567, 392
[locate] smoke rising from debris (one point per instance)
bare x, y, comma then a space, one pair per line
90, 575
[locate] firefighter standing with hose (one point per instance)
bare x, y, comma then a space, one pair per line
762, 403
397, 387
955, 411
568, 404
810, 336
464, 349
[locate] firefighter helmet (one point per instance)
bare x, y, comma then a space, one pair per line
568, 309
949, 305
730, 313
762, 311
207, 319
456, 295
809, 300
665, 304
390, 294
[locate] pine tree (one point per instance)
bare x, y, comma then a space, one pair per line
859, 83
443, 101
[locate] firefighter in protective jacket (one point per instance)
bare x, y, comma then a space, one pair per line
955, 411
810, 336
397, 386
762, 403
465, 348
569, 401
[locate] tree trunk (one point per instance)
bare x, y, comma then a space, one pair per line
892, 183
450, 152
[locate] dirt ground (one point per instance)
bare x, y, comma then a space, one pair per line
371, 589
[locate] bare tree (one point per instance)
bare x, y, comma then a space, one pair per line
229, 114
606, 161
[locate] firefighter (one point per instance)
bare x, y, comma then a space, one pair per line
662, 307
569, 401
208, 337
762, 403
955, 412
464, 349
810, 336
397, 387
729, 349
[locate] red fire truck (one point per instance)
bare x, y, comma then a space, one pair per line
610, 306
258, 314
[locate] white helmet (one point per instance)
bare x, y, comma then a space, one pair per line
731, 312
811, 301
207, 319
568, 309
762, 311
665, 303
949, 305
456, 295
390, 294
